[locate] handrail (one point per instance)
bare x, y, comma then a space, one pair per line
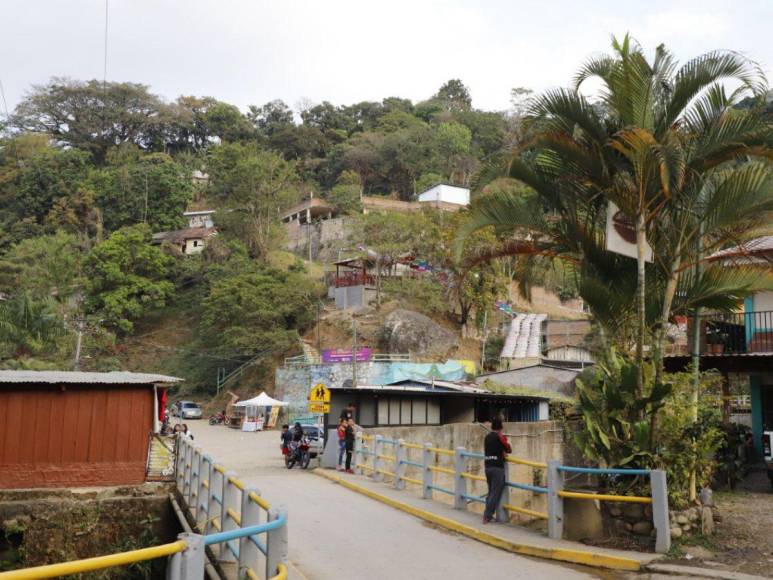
462, 473
229, 535
604, 470
605, 497
97, 563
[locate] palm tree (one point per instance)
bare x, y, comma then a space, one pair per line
28, 327
665, 145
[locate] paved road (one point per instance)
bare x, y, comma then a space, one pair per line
335, 533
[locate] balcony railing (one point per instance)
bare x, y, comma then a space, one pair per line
738, 333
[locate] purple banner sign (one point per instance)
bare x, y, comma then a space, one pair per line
339, 356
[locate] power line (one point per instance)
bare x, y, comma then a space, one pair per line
5, 103
104, 70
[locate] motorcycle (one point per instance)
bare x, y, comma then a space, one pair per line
298, 453
217, 419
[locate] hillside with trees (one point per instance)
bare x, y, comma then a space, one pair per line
90, 171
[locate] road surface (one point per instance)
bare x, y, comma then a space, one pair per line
335, 533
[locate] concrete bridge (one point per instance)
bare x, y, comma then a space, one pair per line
249, 507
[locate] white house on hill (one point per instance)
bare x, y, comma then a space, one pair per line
443, 193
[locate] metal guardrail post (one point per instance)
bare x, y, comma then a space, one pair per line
660, 511
460, 483
193, 491
400, 467
502, 514
248, 551
186, 491
188, 564
276, 543
179, 462
230, 501
358, 459
203, 499
555, 501
426, 490
215, 511
378, 449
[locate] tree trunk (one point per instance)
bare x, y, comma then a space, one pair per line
665, 315
641, 246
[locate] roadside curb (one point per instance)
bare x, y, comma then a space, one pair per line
695, 572
587, 558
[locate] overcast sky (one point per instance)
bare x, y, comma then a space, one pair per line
252, 51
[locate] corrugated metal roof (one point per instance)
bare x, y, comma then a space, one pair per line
77, 377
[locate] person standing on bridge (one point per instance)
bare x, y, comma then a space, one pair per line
341, 443
349, 444
495, 448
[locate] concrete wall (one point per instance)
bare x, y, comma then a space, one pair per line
325, 235
536, 441
763, 302
354, 297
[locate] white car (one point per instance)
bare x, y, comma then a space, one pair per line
187, 410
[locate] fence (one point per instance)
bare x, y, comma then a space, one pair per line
373, 447
221, 503
228, 506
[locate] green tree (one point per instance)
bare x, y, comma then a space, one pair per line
126, 276
255, 184
665, 147
47, 175
28, 327
92, 115
257, 311
150, 188
44, 266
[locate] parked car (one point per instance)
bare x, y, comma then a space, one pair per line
186, 410
316, 436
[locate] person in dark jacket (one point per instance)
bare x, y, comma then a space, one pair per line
495, 448
349, 444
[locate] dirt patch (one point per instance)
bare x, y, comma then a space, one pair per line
743, 542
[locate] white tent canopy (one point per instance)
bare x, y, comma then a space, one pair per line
262, 400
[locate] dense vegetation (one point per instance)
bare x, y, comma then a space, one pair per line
88, 172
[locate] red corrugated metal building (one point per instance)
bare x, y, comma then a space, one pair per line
77, 429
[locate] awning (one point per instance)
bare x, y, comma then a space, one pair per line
262, 400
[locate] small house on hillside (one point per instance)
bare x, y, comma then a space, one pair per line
72, 429
200, 219
445, 196
189, 241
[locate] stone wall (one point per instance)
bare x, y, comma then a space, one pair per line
540, 441
49, 526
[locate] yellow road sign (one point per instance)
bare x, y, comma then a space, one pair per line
319, 407
319, 394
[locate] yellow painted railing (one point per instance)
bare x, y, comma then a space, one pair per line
98, 563
606, 497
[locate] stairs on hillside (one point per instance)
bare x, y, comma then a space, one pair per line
524, 339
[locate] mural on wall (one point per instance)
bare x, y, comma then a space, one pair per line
293, 383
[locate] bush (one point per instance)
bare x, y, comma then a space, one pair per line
424, 295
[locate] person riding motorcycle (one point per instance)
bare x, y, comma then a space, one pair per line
297, 432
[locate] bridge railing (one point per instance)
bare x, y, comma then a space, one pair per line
232, 515
374, 448
218, 500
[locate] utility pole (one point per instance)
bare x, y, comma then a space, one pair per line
78, 343
319, 339
485, 336
354, 353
